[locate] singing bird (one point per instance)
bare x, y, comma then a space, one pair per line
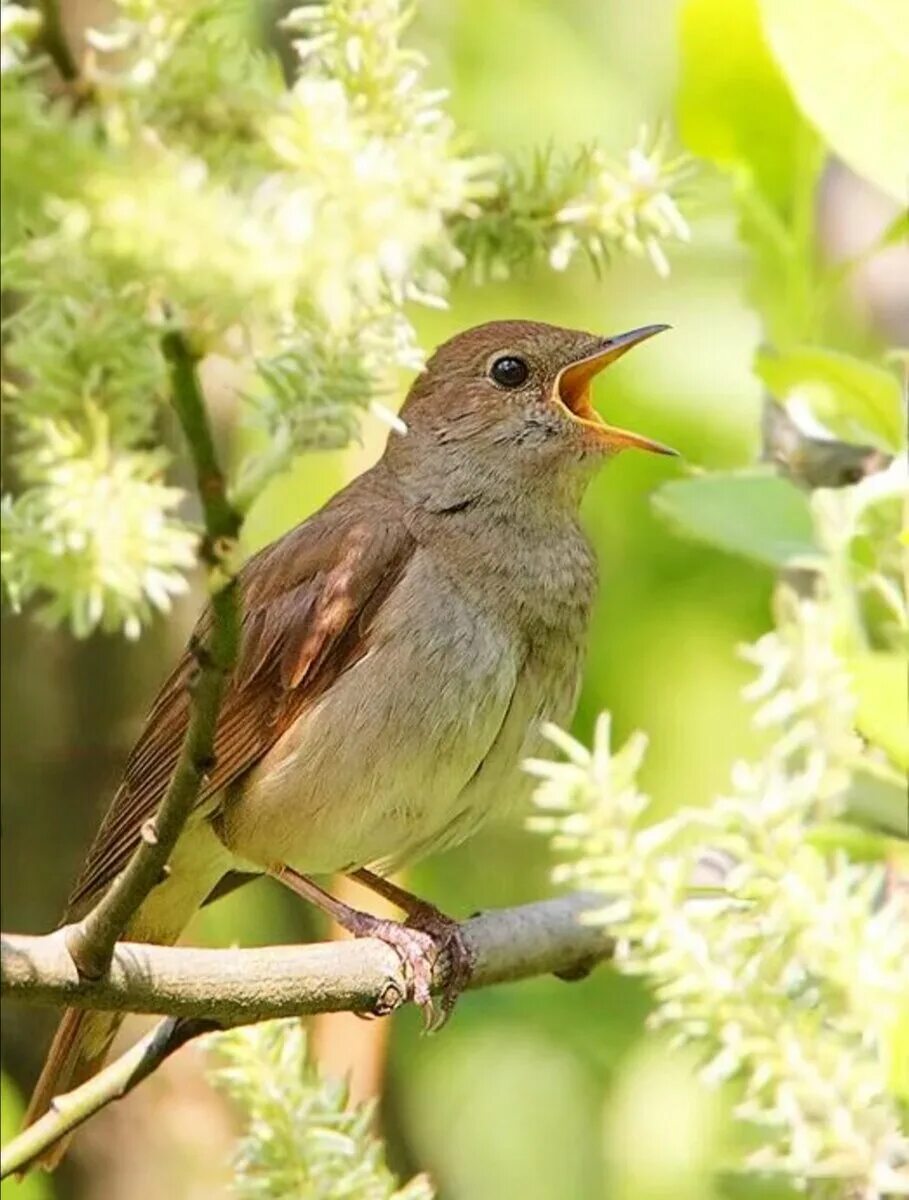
400, 650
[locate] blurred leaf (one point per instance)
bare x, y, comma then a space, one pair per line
37, 1185
894, 234
733, 105
301, 1134
485, 1109
897, 231
753, 513
855, 400
857, 842
848, 67
879, 801
883, 706
659, 1089
898, 1054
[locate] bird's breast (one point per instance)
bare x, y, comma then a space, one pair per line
421, 739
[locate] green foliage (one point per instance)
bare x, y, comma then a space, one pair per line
825, 389
734, 107
557, 206
848, 538
770, 922
848, 397
773, 956
287, 228
754, 513
302, 1140
18, 27
94, 528
36, 1185
882, 706
848, 67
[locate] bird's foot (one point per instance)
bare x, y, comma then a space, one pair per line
429, 945
417, 951
453, 955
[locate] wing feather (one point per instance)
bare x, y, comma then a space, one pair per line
308, 603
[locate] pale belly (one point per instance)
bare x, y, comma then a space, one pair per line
410, 749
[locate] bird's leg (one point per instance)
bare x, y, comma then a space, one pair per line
400, 897
417, 948
445, 932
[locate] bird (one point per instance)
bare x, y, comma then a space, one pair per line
400, 651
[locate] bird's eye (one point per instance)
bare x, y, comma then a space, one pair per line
509, 372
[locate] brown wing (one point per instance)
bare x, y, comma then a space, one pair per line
308, 602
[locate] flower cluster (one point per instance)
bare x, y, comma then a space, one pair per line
285, 219
589, 203
284, 228
97, 534
302, 1138
787, 966
18, 26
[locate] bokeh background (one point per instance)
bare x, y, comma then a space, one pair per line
544, 1089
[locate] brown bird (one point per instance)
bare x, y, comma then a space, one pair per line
400, 650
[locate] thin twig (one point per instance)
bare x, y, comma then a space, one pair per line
69, 1111
91, 942
812, 462
54, 41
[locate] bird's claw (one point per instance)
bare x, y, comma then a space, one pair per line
428, 944
453, 959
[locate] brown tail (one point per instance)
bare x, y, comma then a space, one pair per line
83, 1039
77, 1052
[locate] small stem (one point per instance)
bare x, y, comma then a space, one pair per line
221, 519
91, 942
54, 41
72, 1109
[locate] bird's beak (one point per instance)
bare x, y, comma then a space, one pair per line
572, 391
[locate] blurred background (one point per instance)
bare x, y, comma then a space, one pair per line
543, 1089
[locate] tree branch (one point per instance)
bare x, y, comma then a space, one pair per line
812, 462
238, 987
202, 989
54, 41
91, 942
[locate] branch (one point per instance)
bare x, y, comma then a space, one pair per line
54, 41
91, 942
812, 462
239, 987
202, 990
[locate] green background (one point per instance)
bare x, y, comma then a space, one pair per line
545, 1089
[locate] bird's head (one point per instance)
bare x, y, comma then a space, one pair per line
507, 404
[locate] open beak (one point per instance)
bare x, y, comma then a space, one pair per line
572, 391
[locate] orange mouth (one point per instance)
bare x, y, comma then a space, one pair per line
572, 391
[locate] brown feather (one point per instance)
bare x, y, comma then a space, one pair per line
308, 602
79, 1048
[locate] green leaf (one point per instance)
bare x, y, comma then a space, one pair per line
859, 843
878, 801
855, 400
36, 1185
753, 513
879, 681
897, 231
898, 1056
848, 66
733, 105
